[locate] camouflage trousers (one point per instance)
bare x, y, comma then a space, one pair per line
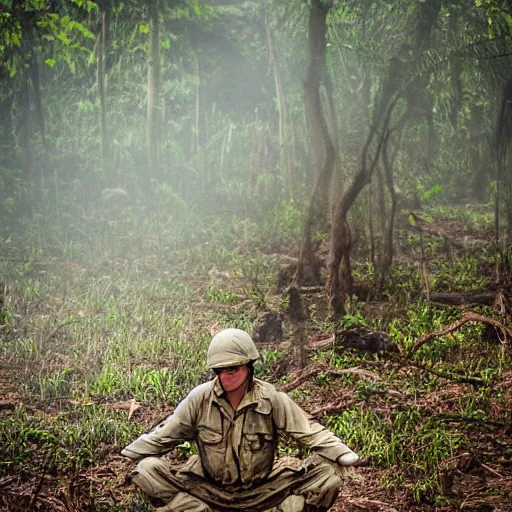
292, 486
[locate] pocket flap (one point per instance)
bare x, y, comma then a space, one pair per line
209, 436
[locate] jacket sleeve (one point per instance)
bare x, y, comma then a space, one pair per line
175, 429
290, 418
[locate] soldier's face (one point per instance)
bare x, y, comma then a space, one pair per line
233, 378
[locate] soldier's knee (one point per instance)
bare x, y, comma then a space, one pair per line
143, 476
328, 476
147, 465
334, 482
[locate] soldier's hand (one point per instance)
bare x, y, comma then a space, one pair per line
348, 459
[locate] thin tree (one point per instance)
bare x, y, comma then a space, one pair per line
281, 102
154, 72
322, 147
503, 150
101, 81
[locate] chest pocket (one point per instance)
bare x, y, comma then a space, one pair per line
259, 443
258, 430
211, 446
209, 437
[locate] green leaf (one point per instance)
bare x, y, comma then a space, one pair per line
90, 6
432, 192
86, 4
16, 39
75, 25
50, 62
507, 18
144, 28
197, 8
64, 38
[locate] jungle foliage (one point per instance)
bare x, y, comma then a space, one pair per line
172, 168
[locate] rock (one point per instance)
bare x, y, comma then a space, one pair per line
365, 341
268, 326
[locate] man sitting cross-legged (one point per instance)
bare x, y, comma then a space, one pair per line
235, 420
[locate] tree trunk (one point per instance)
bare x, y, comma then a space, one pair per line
504, 150
6, 122
36, 89
199, 129
477, 164
388, 161
323, 150
334, 131
390, 93
153, 108
24, 125
101, 78
281, 102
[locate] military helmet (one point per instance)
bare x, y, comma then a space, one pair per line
231, 347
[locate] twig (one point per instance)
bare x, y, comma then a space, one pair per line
37, 490
474, 381
466, 419
303, 375
313, 372
493, 471
58, 328
368, 504
331, 409
469, 316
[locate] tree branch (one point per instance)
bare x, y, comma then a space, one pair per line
467, 317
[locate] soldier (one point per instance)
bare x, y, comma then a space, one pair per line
235, 421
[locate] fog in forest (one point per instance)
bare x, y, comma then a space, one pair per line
129, 131
171, 168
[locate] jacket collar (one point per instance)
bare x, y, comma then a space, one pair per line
255, 397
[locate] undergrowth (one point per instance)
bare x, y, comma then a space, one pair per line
79, 337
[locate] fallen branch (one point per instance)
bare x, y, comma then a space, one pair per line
466, 317
493, 471
459, 418
315, 345
331, 409
48, 460
367, 504
303, 375
464, 298
13, 405
314, 371
459, 379
421, 226
131, 406
7, 405
58, 328
6, 480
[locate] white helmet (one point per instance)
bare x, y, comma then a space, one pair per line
231, 347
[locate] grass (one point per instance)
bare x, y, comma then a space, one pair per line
78, 338
72, 438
